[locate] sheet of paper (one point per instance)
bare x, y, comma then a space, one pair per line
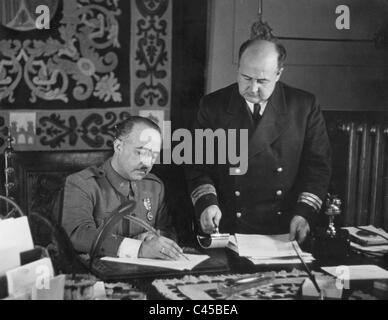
357, 272
183, 264
265, 246
16, 233
9, 259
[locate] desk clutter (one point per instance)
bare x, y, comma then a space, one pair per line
27, 273
268, 249
368, 240
283, 285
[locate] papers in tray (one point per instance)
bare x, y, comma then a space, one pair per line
183, 264
267, 249
357, 272
370, 249
368, 235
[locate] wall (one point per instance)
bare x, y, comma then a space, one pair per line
344, 75
98, 62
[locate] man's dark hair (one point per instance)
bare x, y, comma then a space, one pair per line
125, 127
280, 49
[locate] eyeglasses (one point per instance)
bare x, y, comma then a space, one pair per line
146, 154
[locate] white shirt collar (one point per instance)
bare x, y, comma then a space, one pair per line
262, 104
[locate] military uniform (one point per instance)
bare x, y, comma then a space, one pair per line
289, 161
93, 194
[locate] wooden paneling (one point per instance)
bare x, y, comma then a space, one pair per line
343, 75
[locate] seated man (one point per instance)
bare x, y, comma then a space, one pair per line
94, 193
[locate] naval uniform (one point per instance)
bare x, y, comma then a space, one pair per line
289, 161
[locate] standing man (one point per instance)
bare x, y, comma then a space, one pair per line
289, 163
94, 193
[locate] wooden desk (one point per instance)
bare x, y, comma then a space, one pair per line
222, 261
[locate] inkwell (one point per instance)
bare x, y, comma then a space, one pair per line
331, 243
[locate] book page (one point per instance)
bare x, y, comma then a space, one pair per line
182, 264
265, 246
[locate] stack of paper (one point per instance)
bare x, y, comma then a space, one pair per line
267, 249
368, 239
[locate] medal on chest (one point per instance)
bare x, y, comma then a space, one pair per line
148, 207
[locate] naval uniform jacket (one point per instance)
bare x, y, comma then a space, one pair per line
91, 196
289, 162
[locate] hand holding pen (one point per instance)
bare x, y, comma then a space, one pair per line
157, 246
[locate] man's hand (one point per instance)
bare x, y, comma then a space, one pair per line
210, 219
158, 247
299, 229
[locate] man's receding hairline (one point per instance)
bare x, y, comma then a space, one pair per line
144, 124
250, 45
255, 48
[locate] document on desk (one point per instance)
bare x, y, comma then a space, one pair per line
357, 272
183, 264
265, 246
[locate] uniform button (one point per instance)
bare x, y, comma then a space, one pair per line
237, 193
280, 169
279, 193
238, 215
238, 171
280, 213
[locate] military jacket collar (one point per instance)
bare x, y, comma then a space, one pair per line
120, 184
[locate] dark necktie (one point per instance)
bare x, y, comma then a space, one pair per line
256, 113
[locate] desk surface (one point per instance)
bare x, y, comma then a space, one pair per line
222, 261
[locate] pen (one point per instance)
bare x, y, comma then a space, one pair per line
148, 227
310, 274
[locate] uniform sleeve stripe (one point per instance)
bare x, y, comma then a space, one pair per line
311, 199
201, 191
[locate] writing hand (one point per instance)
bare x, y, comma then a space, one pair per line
159, 247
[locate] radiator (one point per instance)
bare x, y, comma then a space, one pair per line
366, 187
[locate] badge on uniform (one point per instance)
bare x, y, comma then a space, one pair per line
147, 205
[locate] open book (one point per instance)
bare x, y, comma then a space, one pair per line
267, 249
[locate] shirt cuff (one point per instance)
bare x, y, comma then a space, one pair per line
129, 248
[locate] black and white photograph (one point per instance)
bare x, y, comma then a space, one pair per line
199, 155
